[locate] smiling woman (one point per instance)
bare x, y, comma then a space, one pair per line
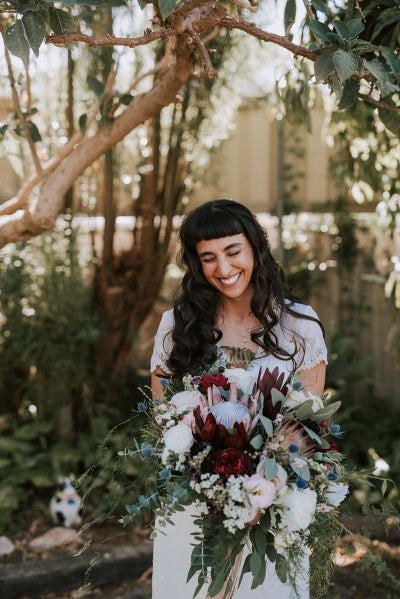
234, 307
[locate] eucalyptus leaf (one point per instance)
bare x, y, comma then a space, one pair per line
327, 411
16, 41
270, 468
277, 397
345, 64
257, 442
35, 30
312, 434
302, 471
267, 424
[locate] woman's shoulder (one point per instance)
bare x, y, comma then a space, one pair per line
167, 319
301, 309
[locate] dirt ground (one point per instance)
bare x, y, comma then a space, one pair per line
350, 581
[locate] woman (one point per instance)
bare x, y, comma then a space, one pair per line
233, 299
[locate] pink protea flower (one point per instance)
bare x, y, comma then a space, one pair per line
293, 433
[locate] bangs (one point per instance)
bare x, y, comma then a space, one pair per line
212, 225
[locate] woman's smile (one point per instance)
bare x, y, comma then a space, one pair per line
227, 264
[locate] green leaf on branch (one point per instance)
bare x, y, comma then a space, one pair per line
391, 59
61, 21
345, 64
322, 31
290, 13
350, 93
35, 30
95, 85
346, 31
82, 123
16, 41
323, 67
390, 118
126, 99
377, 69
166, 7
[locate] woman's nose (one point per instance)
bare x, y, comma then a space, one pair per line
224, 267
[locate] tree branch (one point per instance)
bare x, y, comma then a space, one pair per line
378, 103
265, 36
20, 114
109, 40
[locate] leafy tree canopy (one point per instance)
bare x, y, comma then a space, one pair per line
353, 47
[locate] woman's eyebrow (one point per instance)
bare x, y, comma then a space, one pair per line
228, 247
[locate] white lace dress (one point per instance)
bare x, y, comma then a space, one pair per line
173, 544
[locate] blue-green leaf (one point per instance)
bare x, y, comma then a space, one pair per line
271, 468
350, 29
267, 424
257, 442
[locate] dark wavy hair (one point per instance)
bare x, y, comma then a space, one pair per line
195, 334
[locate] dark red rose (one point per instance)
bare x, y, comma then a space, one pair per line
231, 461
219, 380
333, 447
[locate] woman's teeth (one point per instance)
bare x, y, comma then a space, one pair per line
231, 280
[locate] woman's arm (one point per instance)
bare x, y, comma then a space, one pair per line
156, 386
314, 378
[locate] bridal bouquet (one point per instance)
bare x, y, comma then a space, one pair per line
258, 456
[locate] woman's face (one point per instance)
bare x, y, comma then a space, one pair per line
227, 264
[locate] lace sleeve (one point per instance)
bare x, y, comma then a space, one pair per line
162, 343
314, 349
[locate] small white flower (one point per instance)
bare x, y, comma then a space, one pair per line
335, 494
300, 507
296, 398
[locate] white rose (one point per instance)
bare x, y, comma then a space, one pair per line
283, 539
335, 494
299, 508
178, 439
295, 398
244, 379
185, 401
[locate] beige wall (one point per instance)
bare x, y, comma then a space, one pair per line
245, 167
